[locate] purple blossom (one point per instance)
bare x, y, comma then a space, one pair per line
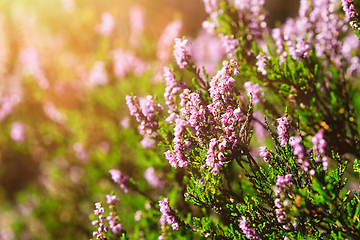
349, 8
319, 144
147, 142
264, 154
152, 178
53, 113
215, 155
296, 143
137, 19
177, 157
284, 189
80, 152
252, 12
261, 63
119, 178
145, 113
282, 129
171, 31
221, 87
169, 214
30, 58
102, 227
111, 199
207, 51
17, 133
126, 62
246, 229
181, 52
172, 87
254, 92
106, 26
230, 44
97, 74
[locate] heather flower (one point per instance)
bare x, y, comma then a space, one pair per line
319, 144
230, 44
169, 214
221, 87
282, 129
126, 62
107, 24
30, 58
171, 31
80, 152
264, 154
284, 189
148, 143
120, 178
249, 232
349, 8
181, 52
97, 74
137, 215
53, 113
137, 20
111, 199
261, 63
102, 228
177, 157
7, 103
296, 143
206, 51
17, 133
253, 13
254, 92
145, 113
152, 178
172, 87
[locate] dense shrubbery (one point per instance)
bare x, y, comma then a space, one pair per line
251, 133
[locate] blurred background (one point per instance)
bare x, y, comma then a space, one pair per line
65, 68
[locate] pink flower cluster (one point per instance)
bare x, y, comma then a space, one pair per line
53, 113
146, 114
102, 227
207, 51
97, 74
221, 87
126, 62
282, 129
252, 12
107, 24
264, 154
114, 226
181, 52
215, 155
230, 44
254, 92
169, 214
319, 144
120, 178
261, 63
152, 178
172, 87
246, 229
284, 188
17, 133
30, 58
349, 8
296, 143
177, 157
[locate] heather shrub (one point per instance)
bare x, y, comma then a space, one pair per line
237, 131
